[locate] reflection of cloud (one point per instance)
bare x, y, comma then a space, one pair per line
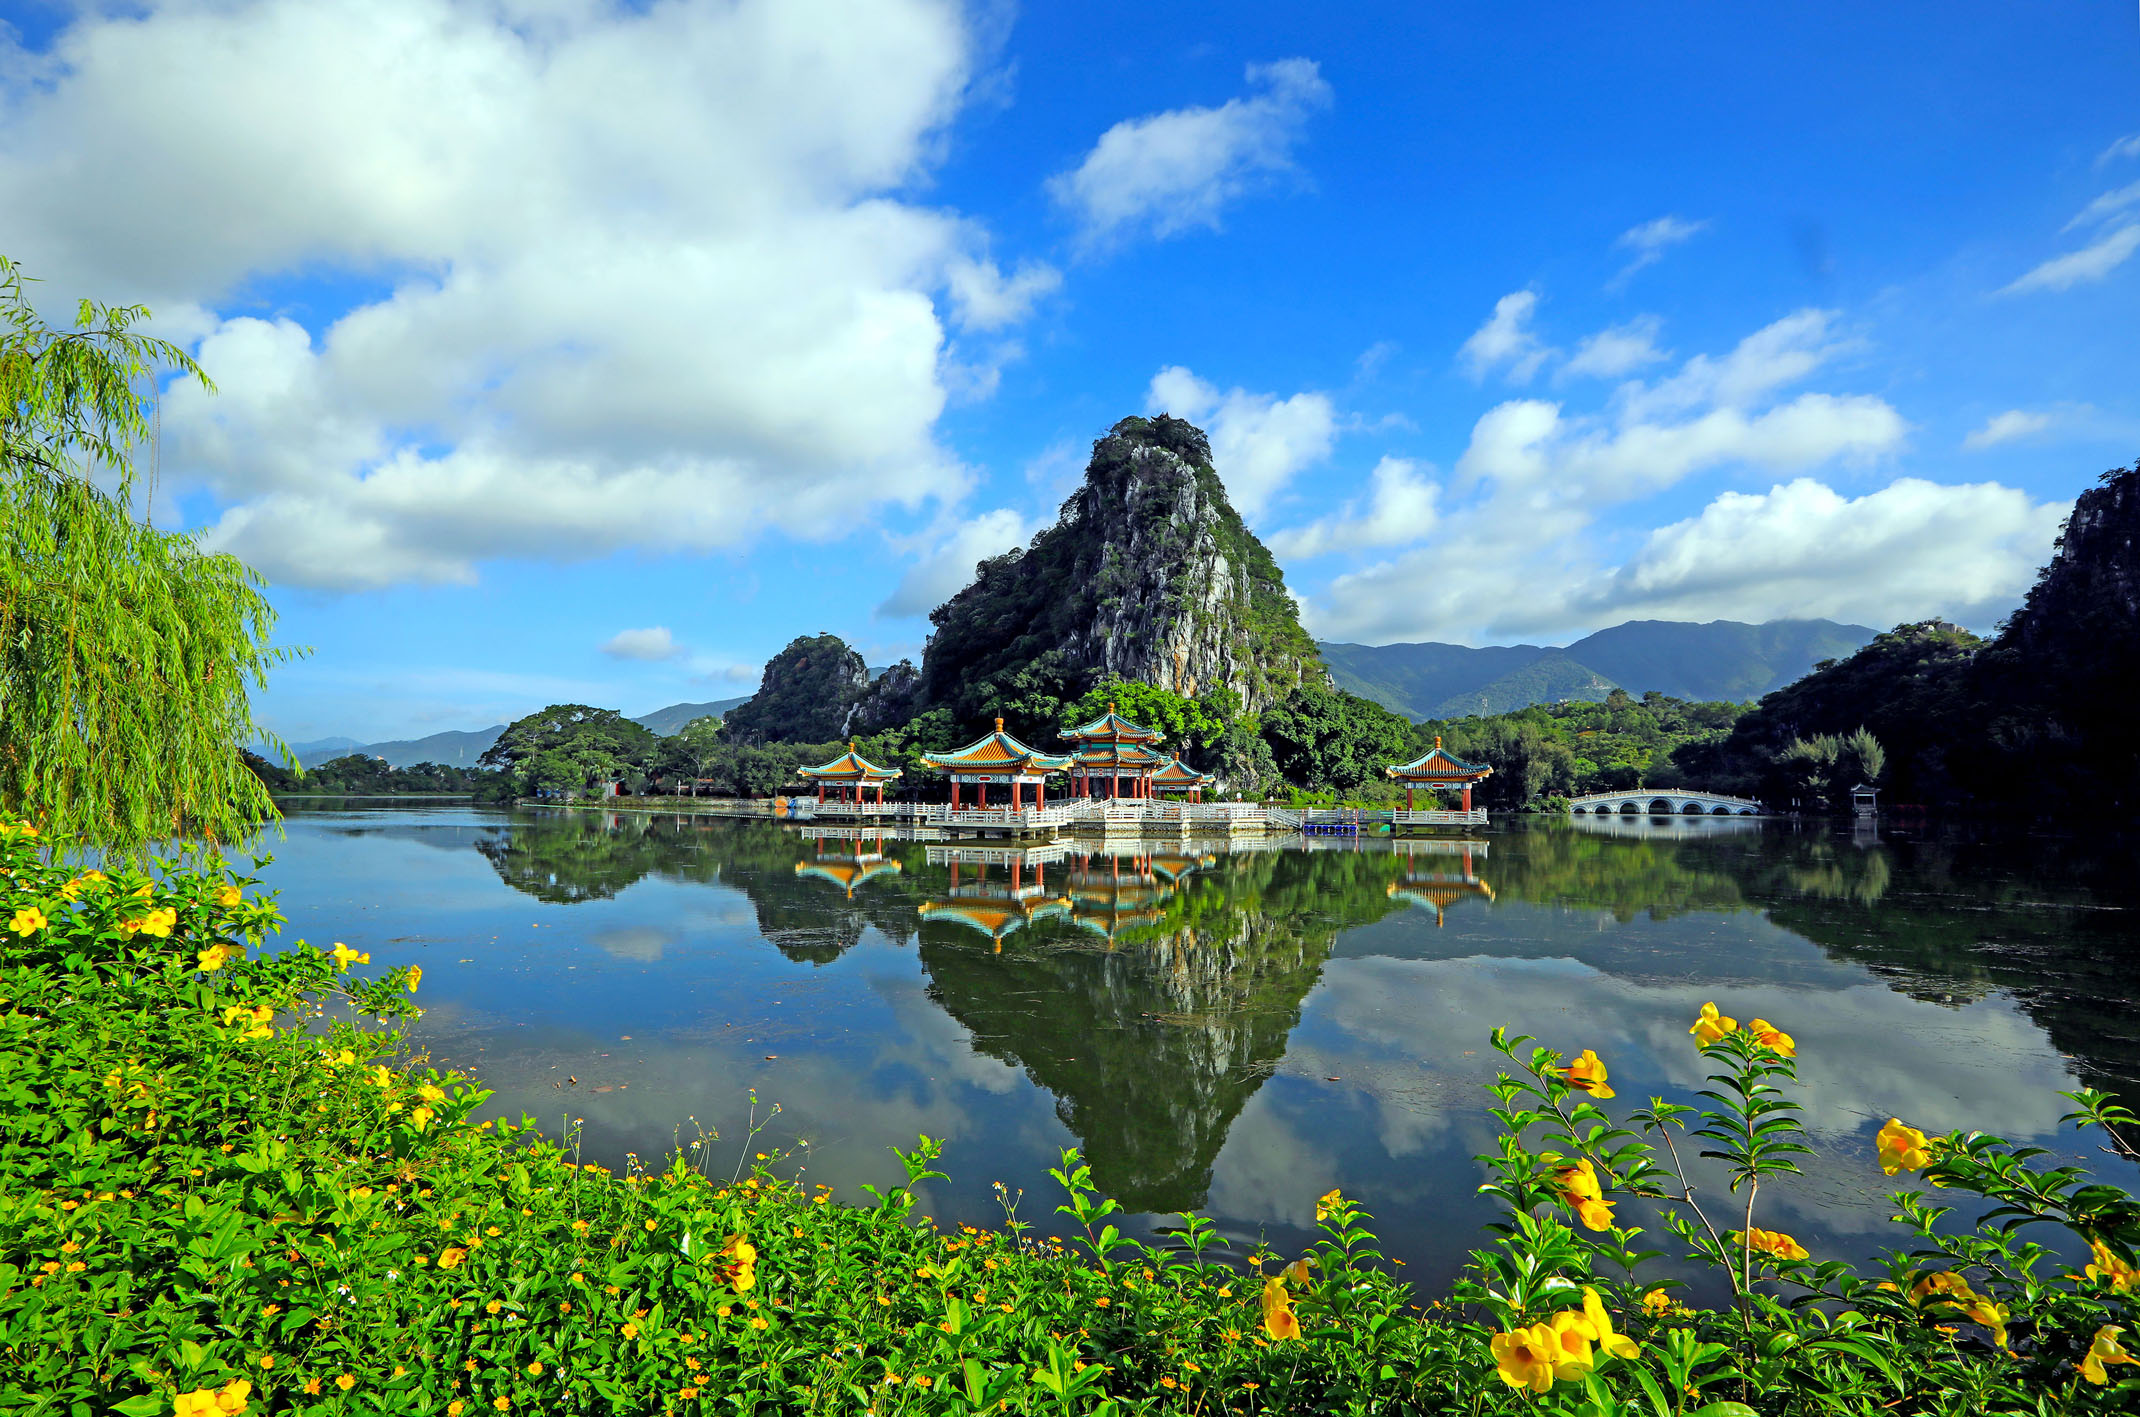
641, 942
1268, 1169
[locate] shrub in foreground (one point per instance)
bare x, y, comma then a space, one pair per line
220, 1194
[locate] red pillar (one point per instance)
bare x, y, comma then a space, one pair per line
1040, 794
954, 875
984, 794
954, 794
1467, 796
821, 794
1016, 865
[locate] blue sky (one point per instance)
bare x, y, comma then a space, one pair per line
579, 351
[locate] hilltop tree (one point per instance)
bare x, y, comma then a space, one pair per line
127, 654
1327, 738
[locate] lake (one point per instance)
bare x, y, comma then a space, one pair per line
1234, 1031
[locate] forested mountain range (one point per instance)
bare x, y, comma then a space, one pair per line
461, 747
1719, 661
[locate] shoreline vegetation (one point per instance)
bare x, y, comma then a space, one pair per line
226, 1188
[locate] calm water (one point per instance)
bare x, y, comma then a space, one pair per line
1235, 1032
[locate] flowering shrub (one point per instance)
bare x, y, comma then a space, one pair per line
223, 1190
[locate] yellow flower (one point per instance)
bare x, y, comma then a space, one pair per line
1327, 1202
345, 1382
535, 1369
1775, 1242
493, 1306
211, 959
1657, 1302
1903, 1148
1618, 1345
1587, 1073
2111, 1270
312, 1387
345, 956
235, 1396
198, 1403
758, 1323
1572, 1336
416, 976
421, 1116
28, 921
2103, 1348
1942, 1287
1774, 1039
1579, 1190
453, 1408
1297, 1272
1279, 1320
1712, 1025
1982, 1310
501, 1403
382, 1076
451, 1257
631, 1330
1527, 1357
229, 895
74, 888
743, 1257
429, 1093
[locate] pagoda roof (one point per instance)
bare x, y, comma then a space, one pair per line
1440, 764
996, 752
1112, 727
849, 766
846, 874
1111, 755
993, 920
1179, 774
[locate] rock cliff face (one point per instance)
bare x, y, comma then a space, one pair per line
1149, 574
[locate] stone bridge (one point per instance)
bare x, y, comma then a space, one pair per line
1664, 804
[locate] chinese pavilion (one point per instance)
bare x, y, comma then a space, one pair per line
998, 760
1113, 750
1439, 770
1178, 776
996, 908
850, 770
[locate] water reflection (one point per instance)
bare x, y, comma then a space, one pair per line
1224, 1028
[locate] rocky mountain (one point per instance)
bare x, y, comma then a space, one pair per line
808, 691
663, 722
1149, 574
1722, 659
2055, 687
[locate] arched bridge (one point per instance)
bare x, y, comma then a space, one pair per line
1664, 804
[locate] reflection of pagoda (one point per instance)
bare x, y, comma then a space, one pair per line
1111, 893
1438, 890
849, 869
996, 907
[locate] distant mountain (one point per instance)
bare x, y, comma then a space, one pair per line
1723, 659
456, 748
664, 722
330, 746
461, 748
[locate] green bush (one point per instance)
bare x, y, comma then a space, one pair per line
224, 1189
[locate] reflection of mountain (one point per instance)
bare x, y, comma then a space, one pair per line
1158, 1011
567, 857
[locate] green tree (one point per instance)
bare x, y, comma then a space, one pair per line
127, 654
1329, 740
1190, 727
565, 747
694, 745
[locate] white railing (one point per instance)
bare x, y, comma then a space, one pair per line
1475, 817
830, 808
1000, 818
1283, 817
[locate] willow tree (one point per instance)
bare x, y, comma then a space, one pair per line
127, 654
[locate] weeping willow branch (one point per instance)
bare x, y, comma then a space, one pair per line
127, 655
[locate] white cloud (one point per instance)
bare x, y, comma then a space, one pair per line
2007, 427
653, 643
631, 276
1651, 240
2090, 263
1401, 508
1911, 549
1518, 547
1172, 172
2109, 204
1623, 349
985, 299
948, 566
1258, 441
1057, 471
1506, 340
2123, 147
